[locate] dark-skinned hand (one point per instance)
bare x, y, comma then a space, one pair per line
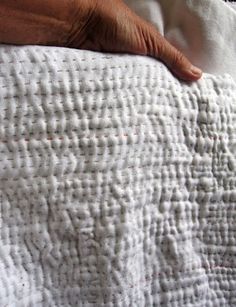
98, 25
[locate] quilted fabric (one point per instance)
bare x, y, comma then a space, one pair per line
117, 182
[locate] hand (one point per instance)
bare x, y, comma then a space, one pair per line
99, 25
110, 26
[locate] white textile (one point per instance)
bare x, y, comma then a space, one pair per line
117, 182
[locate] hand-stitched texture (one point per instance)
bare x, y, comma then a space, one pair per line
117, 182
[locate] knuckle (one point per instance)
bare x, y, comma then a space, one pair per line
177, 59
161, 49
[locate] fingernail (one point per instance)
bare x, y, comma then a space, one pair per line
195, 70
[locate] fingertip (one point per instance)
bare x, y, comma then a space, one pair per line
193, 73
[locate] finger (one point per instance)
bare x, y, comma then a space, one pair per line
147, 40
175, 60
157, 46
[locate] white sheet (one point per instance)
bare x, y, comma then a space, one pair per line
117, 182
205, 30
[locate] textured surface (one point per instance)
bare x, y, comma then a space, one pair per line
117, 182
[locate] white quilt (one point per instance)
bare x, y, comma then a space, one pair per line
117, 182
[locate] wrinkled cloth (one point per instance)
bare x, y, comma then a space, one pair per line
117, 182
204, 30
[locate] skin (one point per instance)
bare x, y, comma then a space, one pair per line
98, 25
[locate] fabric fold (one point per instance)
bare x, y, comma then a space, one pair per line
203, 30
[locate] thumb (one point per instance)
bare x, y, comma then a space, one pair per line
141, 37
157, 46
